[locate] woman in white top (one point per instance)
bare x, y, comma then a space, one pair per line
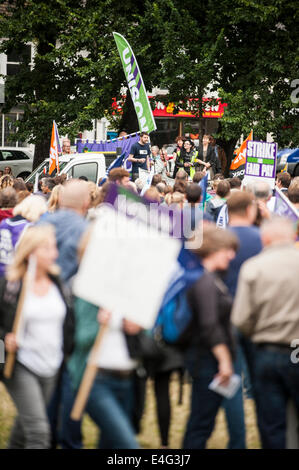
39, 341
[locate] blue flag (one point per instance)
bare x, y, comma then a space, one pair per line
115, 164
204, 185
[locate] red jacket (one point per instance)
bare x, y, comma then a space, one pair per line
5, 213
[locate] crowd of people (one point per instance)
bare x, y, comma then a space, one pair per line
245, 312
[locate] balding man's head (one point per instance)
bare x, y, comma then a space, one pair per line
262, 190
277, 230
75, 195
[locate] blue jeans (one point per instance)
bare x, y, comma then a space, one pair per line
110, 406
204, 402
65, 431
276, 380
234, 409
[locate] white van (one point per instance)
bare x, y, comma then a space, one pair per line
92, 165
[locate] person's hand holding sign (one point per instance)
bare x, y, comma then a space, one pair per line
11, 342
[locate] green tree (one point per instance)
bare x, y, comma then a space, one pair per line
247, 51
76, 69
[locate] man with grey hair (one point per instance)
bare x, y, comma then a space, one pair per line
266, 312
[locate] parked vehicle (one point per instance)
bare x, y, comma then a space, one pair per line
288, 159
19, 159
92, 165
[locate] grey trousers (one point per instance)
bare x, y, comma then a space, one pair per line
31, 394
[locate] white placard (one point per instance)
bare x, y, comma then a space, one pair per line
126, 267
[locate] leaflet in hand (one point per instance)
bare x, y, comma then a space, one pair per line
228, 391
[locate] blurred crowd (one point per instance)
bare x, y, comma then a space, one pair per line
245, 310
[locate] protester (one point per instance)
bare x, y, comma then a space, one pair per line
94, 194
53, 202
8, 200
242, 214
179, 140
207, 157
30, 187
21, 195
19, 185
25, 212
66, 147
215, 204
119, 176
235, 183
187, 159
31, 208
139, 185
8, 171
47, 184
268, 316
69, 223
156, 179
111, 400
293, 194
6, 181
283, 181
140, 155
181, 175
43, 339
212, 347
216, 180
220, 154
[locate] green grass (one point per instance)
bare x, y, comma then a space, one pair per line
149, 437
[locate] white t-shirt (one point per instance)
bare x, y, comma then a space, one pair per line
113, 352
41, 332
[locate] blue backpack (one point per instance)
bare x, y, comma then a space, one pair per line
175, 315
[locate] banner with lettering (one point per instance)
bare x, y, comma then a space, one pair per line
261, 161
135, 84
237, 167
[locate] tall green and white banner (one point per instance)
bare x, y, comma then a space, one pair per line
136, 86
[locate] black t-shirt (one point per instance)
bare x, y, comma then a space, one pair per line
140, 151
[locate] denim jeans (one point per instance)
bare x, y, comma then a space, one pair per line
276, 380
204, 402
30, 394
65, 431
234, 409
110, 406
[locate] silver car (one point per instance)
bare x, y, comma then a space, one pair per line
19, 159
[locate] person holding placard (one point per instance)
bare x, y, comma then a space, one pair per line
111, 400
40, 340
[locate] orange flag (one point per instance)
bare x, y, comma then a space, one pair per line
54, 149
240, 158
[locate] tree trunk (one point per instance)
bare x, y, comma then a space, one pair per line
42, 150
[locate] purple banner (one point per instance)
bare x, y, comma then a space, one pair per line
125, 143
284, 207
261, 159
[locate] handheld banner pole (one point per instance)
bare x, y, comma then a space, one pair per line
88, 377
27, 280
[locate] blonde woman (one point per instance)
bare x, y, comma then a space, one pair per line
53, 203
42, 338
31, 208
6, 181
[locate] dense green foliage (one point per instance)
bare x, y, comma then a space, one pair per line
246, 50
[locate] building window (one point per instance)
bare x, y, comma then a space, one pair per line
14, 59
8, 126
